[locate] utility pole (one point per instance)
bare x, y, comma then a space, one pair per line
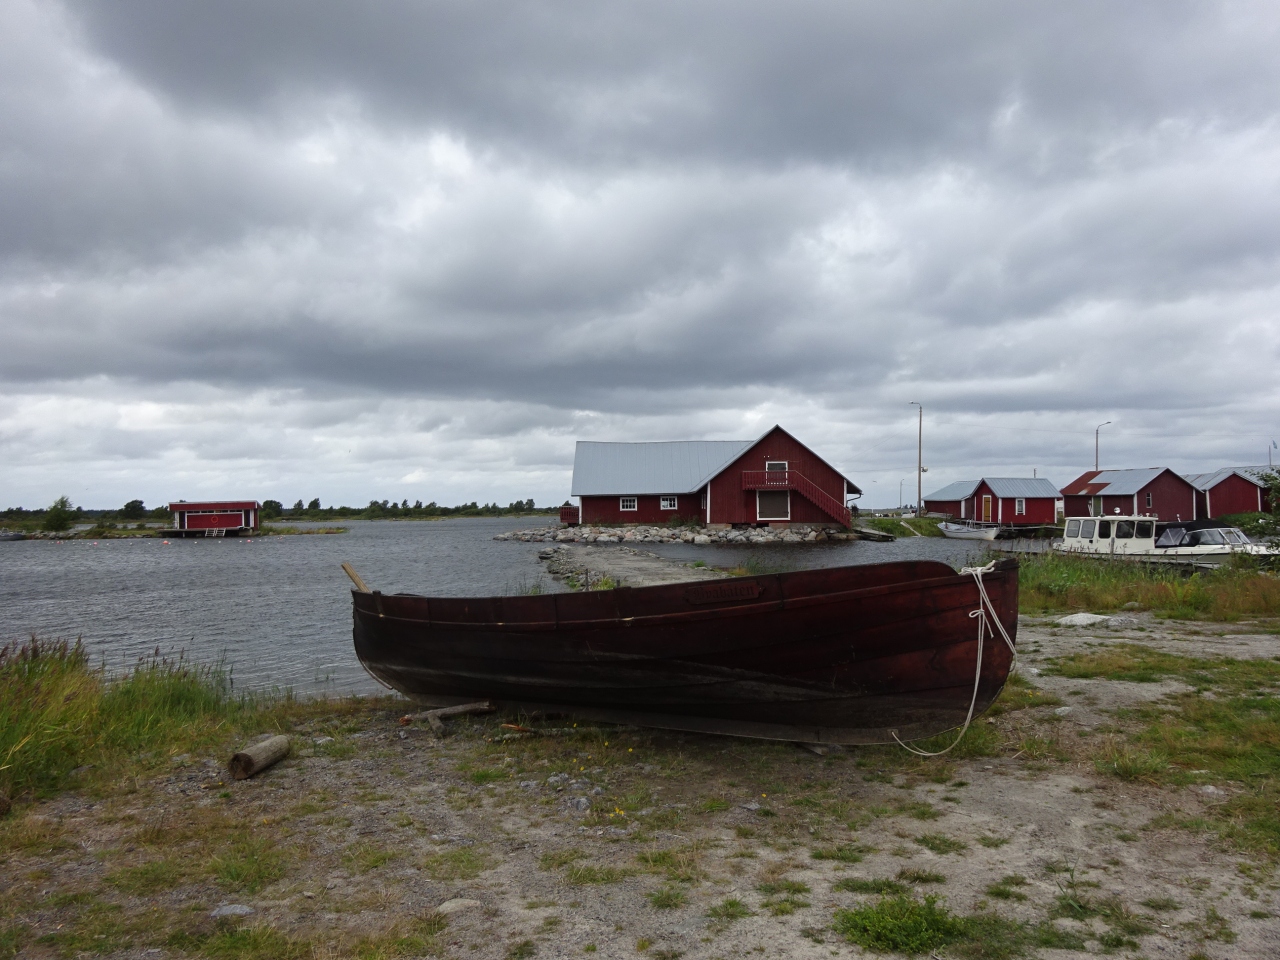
1095, 443
900, 483
920, 461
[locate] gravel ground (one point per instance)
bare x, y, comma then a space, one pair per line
375, 838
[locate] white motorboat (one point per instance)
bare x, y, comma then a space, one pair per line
969, 530
1203, 542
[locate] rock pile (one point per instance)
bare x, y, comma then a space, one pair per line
641, 534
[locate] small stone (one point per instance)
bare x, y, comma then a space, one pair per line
232, 910
308, 894
1210, 790
321, 741
1063, 711
1082, 620
581, 804
529, 784
457, 905
750, 805
1132, 605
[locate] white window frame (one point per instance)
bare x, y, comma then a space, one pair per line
633, 501
1148, 499
668, 503
1020, 506
760, 519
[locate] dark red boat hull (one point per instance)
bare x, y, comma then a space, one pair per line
840, 655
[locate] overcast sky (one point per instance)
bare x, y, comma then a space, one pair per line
417, 249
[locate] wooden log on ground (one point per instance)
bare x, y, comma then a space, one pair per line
254, 759
434, 717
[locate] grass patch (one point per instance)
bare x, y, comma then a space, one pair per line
465, 863
902, 924
583, 874
862, 885
843, 853
482, 777
727, 911
364, 857
1006, 888
666, 898
907, 875
147, 878
940, 843
249, 864
1059, 582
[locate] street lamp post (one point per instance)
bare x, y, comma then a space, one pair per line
919, 459
900, 483
1095, 443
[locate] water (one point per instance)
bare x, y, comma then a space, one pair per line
277, 610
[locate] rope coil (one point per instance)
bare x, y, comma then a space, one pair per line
984, 629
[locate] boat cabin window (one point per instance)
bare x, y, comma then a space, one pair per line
1146, 529
1086, 529
1202, 538
1124, 529
1235, 536
1172, 537
1073, 528
1104, 529
627, 503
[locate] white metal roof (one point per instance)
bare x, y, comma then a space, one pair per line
674, 466
1022, 487
1001, 486
1207, 481
955, 491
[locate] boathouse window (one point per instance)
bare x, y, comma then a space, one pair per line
627, 503
1146, 529
1073, 528
667, 503
1104, 529
1148, 499
1019, 507
1124, 529
1086, 530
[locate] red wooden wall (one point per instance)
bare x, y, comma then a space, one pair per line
731, 504
1235, 494
606, 510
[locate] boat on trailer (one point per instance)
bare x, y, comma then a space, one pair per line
850, 655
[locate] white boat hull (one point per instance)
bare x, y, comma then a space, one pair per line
962, 531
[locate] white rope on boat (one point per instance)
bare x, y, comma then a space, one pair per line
984, 629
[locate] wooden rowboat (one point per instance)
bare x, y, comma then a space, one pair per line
849, 655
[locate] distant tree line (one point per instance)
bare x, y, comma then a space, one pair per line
389, 509
62, 515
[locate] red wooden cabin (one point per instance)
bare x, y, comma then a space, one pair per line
775, 480
215, 518
1009, 501
1231, 490
1151, 492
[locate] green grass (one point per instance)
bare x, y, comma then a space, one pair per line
940, 843
861, 885
465, 863
1235, 735
249, 864
727, 911
1052, 582
912, 875
844, 853
666, 898
1006, 888
58, 714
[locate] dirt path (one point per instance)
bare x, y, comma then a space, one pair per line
377, 839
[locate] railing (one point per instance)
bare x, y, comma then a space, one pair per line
793, 480
569, 516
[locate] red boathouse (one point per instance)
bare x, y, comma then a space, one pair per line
1152, 492
1010, 501
215, 518
1231, 490
775, 480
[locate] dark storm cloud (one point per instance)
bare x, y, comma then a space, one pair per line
343, 240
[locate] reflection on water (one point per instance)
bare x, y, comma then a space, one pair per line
277, 610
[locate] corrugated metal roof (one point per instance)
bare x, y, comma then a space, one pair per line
955, 491
1207, 481
1123, 483
674, 466
1021, 487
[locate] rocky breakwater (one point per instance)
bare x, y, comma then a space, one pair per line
701, 535
585, 567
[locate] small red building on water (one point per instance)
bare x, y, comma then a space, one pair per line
1009, 501
215, 518
775, 480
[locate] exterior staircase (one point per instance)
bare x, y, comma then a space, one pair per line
794, 480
